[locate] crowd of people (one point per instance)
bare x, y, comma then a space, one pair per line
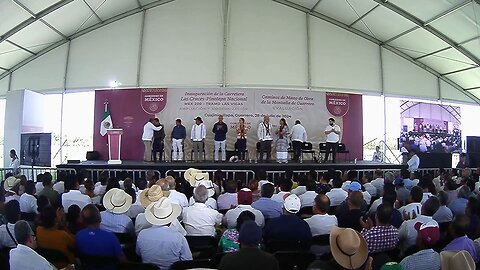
286, 138
399, 220
432, 142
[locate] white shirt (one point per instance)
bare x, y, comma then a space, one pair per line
413, 163
371, 189
230, 218
11, 198
148, 130
74, 197
38, 187
262, 133
336, 196
298, 133
28, 203
378, 184
198, 132
116, 223
199, 220
407, 233
5, 239
307, 198
333, 137
411, 208
425, 197
367, 197
59, 187
14, 164
299, 190
141, 223
134, 210
211, 202
279, 197
99, 190
178, 198
375, 204
24, 258
321, 224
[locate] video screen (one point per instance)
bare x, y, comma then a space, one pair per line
430, 128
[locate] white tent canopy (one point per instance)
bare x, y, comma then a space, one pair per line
427, 48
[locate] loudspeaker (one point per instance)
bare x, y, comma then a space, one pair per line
93, 155
473, 144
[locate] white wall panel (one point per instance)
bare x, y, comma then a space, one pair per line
183, 44
402, 78
44, 73
341, 59
4, 85
449, 92
266, 44
109, 53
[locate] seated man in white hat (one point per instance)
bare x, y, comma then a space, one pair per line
11, 186
114, 218
202, 180
160, 244
198, 219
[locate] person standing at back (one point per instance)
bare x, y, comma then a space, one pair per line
333, 138
179, 133
197, 136
298, 136
147, 137
220, 130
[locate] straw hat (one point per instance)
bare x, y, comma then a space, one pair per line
162, 212
349, 248
149, 195
453, 260
117, 201
208, 184
10, 182
189, 175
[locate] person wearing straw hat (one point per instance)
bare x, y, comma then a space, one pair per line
114, 219
456, 260
160, 244
11, 186
198, 219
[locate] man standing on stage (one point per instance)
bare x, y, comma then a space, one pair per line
220, 129
158, 144
298, 136
198, 135
148, 129
333, 137
265, 136
179, 133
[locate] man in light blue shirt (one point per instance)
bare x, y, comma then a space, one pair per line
459, 205
269, 208
414, 161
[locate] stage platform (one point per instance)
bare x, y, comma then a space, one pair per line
163, 167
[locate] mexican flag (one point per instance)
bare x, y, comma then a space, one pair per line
106, 121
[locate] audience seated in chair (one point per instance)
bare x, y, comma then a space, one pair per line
114, 219
229, 240
458, 230
269, 208
198, 219
244, 203
7, 233
383, 236
228, 200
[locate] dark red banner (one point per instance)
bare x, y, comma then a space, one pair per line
337, 104
153, 100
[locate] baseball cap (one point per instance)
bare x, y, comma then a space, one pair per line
392, 266
292, 204
429, 232
354, 186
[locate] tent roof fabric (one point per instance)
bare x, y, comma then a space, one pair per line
442, 36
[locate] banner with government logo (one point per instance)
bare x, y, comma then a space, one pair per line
131, 109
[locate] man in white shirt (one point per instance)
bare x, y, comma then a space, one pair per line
199, 220
307, 198
285, 188
114, 219
333, 137
7, 233
73, 195
265, 136
321, 223
15, 163
415, 203
378, 181
28, 202
24, 257
407, 232
298, 135
244, 203
198, 135
175, 196
147, 137
337, 195
414, 161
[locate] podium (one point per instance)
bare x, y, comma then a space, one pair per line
114, 145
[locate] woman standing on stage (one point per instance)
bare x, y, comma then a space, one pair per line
241, 144
282, 141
